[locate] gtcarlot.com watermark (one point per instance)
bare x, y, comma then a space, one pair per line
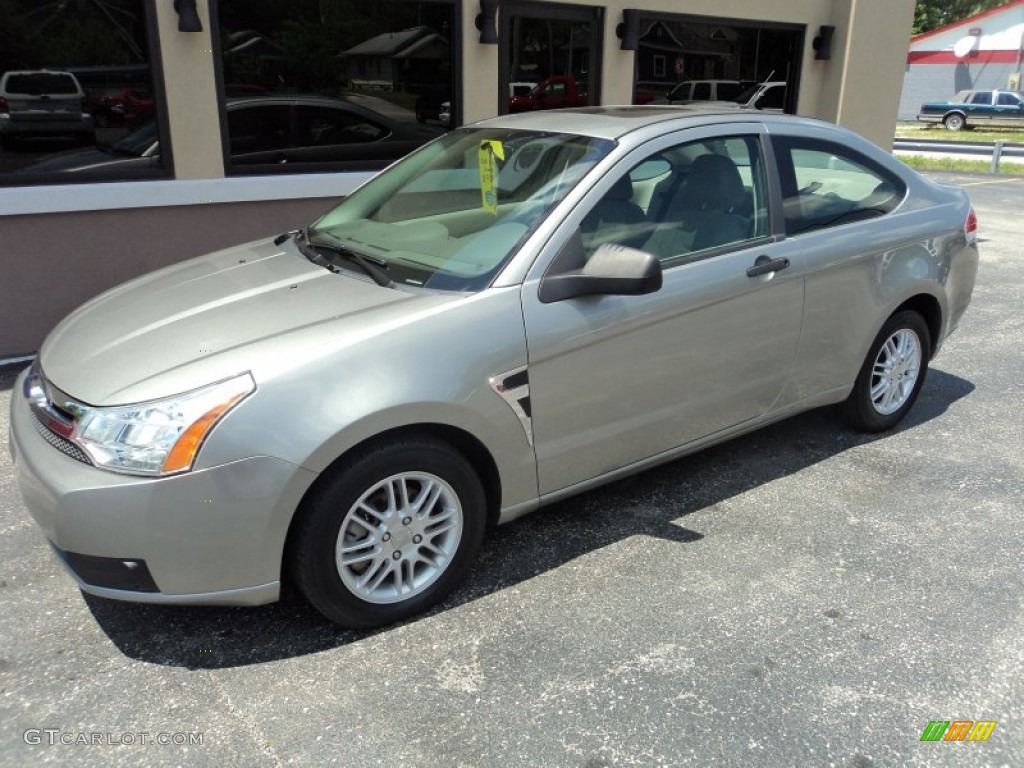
55, 736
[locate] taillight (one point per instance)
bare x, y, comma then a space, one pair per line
3, 105
971, 225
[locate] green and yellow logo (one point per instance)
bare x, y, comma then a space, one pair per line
958, 730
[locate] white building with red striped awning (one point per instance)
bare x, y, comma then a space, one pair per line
981, 52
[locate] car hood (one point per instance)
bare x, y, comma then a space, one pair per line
86, 160
258, 307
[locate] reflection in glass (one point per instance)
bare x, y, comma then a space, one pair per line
72, 74
686, 60
334, 85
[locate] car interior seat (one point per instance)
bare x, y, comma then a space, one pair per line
615, 218
705, 211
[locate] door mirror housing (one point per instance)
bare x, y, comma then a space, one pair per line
613, 270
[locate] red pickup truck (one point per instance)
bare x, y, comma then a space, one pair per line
551, 93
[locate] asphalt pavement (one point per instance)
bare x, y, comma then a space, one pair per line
802, 596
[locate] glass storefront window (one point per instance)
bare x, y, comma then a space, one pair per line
75, 81
550, 56
334, 85
684, 59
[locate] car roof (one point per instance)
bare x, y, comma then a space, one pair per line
613, 122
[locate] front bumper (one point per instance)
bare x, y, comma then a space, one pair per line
210, 536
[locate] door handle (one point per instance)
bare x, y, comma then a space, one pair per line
763, 265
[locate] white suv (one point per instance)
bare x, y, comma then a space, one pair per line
45, 103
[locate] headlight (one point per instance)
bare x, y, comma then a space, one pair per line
161, 437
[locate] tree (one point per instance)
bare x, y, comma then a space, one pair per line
931, 14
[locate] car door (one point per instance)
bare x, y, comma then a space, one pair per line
1009, 106
980, 106
617, 379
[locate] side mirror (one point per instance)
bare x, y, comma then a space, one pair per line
613, 270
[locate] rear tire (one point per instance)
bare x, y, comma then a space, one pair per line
954, 122
389, 533
892, 375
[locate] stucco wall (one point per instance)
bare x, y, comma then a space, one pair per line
52, 263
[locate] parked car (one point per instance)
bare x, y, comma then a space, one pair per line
430, 102
526, 308
770, 97
122, 105
702, 90
42, 103
294, 132
551, 93
969, 108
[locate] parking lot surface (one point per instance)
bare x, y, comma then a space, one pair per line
802, 596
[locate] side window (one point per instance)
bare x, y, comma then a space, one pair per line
774, 97
258, 128
728, 91
825, 185
323, 126
982, 97
685, 202
702, 92
1009, 100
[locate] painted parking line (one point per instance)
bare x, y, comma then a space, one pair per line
991, 181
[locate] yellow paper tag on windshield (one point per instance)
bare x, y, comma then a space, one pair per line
490, 152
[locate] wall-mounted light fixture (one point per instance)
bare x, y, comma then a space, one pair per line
628, 30
486, 22
822, 44
188, 17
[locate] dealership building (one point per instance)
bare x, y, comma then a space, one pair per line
168, 165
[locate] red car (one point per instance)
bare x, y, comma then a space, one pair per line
128, 105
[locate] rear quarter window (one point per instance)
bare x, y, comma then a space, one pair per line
826, 185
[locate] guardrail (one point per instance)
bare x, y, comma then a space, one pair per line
995, 150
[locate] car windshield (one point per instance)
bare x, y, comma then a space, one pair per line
450, 215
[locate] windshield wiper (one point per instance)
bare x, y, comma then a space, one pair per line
309, 253
375, 268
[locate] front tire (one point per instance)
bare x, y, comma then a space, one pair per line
892, 375
389, 533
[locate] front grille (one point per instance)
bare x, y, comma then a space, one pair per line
59, 442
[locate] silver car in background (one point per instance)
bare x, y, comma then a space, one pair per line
521, 310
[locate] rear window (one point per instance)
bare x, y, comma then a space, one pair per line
38, 83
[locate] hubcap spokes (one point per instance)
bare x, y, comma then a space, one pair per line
399, 537
895, 371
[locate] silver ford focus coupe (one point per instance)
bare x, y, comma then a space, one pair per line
521, 310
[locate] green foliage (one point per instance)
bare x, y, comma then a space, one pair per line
931, 14
15, 52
